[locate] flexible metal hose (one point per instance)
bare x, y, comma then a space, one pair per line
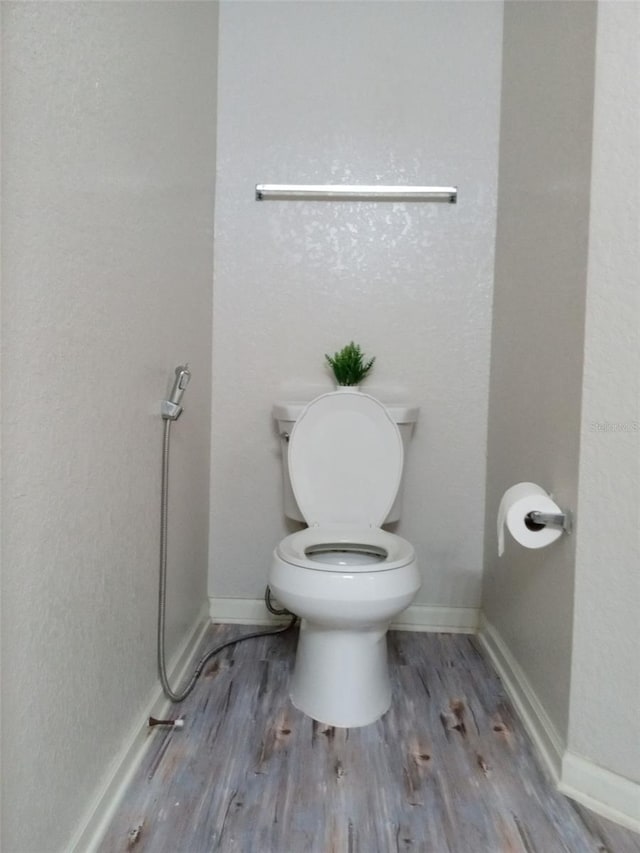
162, 593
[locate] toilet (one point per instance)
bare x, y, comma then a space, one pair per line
344, 576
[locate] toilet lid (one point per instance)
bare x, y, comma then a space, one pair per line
345, 460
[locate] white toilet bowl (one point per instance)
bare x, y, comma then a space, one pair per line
344, 576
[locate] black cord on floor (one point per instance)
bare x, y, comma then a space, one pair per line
276, 611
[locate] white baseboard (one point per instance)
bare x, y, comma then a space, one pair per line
600, 790
606, 793
448, 620
242, 611
252, 611
530, 710
99, 814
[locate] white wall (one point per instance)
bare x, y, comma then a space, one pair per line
538, 326
605, 688
108, 171
355, 93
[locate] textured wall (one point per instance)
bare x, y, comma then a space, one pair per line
538, 324
109, 140
355, 93
605, 691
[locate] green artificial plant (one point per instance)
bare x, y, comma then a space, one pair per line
348, 365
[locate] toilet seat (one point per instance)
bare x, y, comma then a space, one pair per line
345, 464
293, 549
345, 460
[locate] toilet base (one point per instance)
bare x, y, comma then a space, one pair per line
341, 677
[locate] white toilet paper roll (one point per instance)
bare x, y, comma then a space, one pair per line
517, 502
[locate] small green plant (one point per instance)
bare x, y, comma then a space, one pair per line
349, 365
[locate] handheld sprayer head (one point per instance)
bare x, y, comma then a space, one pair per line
171, 409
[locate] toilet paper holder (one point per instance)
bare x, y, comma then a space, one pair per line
536, 520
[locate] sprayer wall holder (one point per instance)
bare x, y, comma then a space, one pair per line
170, 411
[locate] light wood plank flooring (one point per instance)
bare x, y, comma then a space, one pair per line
448, 769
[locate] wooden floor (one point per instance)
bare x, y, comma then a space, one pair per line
448, 769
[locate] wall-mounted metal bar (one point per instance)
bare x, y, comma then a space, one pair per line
555, 519
346, 192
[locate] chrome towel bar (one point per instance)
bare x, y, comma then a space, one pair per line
347, 192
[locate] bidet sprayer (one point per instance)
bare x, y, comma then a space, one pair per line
171, 409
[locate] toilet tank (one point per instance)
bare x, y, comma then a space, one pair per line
286, 414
